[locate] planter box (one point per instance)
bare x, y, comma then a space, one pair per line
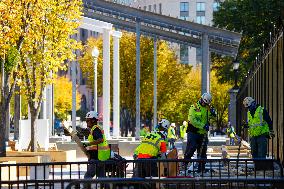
25, 170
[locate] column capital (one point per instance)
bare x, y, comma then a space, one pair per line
116, 34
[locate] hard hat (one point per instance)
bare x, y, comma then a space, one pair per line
248, 101
164, 124
92, 114
173, 124
184, 122
207, 98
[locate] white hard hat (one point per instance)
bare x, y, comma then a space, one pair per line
207, 98
92, 114
248, 101
173, 124
184, 122
164, 123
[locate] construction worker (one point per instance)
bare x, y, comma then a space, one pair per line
198, 126
231, 133
97, 147
152, 146
144, 131
259, 126
172, 136
182, 129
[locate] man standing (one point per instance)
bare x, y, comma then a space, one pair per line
172, 136
259, 126
198, 126
152, 146
232, 134
97, 147
182, 129
144, 131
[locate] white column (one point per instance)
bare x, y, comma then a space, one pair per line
49, 108
106, 81
43, 105
74, 64
116, 85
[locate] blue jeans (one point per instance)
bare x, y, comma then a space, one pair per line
196, 142
258, 146
171, 143
95, 168
232, 141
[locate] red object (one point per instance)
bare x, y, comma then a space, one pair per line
163, 147
144, 156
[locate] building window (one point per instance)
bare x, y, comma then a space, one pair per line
200, 6
184, 8
149, 8
160, 8
200, 19
184, 54
144, 8
154, 8
216, 6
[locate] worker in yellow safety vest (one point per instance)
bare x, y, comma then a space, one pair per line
97, 147
152, 146
259, 126
172, 136
144, 131
231, 133
199, 115
182, 129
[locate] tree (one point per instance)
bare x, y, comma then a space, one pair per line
13, 26
170, 76
40, 31
254, 19
63, 99
176, 107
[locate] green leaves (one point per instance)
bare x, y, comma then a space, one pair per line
254, 19
12, 59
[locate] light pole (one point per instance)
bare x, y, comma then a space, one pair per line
95, 54
233, 97
236, 65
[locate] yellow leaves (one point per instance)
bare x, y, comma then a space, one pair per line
63, 99
41, 30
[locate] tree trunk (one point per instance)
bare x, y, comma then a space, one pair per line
17, 114
33, 131
3, 131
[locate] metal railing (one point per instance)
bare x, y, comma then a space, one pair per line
264, 82
163, 173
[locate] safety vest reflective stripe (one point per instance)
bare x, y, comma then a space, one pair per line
144, 156
151, 143
96, 147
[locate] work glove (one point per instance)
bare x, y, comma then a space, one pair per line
85, 145
206, 127
213, 112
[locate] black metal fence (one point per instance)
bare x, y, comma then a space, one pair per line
264, 83
229, 173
